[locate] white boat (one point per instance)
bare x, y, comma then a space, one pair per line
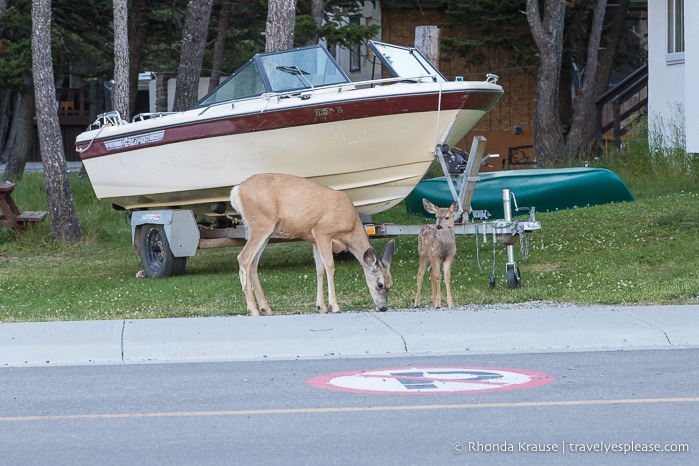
292, 112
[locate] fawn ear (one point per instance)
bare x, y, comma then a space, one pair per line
454, 207
428, 206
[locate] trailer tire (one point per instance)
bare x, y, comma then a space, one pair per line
156, 255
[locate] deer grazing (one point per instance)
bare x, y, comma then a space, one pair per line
437, 245
296, 208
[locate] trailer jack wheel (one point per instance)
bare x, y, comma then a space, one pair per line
156, 255
514, 280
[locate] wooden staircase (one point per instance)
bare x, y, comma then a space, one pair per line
621, 105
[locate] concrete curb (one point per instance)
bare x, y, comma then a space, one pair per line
350, 334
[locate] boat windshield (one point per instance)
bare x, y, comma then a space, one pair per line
286, 71
405, 62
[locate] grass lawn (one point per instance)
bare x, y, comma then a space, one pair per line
641, 252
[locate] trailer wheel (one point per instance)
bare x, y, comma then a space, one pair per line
514, 280
156, 255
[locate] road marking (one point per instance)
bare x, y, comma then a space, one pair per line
430, 380
347, 409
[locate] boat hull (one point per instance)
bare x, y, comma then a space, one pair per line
375, 144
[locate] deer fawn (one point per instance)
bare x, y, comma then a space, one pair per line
296, 208
436, 244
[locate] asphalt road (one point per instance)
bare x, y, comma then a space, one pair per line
524, 384
265, 412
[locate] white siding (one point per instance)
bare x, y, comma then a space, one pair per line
665, 81
670, 106
691, 40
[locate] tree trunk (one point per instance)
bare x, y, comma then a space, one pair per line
220, 44
548, 36
9, 103
3, 6
64, 219
120, 95
584, 113
427, 42
318, 15
565, 99
138, 30
196, 27
281, 20
20, 148
611, 36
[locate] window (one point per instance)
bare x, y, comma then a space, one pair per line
675, 31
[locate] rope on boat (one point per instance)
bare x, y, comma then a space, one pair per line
112, 118
80, 151
439, 115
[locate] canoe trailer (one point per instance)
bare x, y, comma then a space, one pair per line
164, 239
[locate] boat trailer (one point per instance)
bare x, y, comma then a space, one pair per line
164, 239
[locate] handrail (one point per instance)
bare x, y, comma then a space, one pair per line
617, 96
608, 96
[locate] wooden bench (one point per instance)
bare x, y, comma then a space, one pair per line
11, 216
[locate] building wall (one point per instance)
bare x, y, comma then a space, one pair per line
691, 15
666, 81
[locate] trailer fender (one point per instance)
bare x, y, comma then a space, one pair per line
181, 229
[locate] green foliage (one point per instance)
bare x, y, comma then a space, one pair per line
245, 35
72, 40
477, 27
15, 46
337, 28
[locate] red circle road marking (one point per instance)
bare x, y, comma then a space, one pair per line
432, 380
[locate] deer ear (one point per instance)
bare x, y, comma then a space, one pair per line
454, 206
388, 251
370, 257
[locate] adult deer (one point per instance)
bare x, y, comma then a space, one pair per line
436, 245
296, 208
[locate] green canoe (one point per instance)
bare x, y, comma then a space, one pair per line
545, 189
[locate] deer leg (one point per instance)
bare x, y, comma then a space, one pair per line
436, 279
257, 287
420, 275
248, 259
447, 279
325, 249
320, 276
244, 274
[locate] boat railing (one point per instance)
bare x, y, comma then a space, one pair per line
149, 115
112, 118
343, 87
105, 118
307, 92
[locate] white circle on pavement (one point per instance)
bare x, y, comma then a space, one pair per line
430, 380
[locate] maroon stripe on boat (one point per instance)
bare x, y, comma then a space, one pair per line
297, 116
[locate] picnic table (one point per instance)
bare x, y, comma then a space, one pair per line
11, 216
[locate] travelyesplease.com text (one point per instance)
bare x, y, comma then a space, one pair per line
570, 447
